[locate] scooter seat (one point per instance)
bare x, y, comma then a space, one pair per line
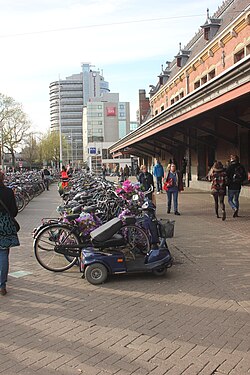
115, 240
106, 231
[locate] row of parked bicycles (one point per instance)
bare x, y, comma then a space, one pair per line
26, 186
104, 229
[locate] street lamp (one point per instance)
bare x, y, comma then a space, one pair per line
60, 127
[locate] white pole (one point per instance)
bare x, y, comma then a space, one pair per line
60, 126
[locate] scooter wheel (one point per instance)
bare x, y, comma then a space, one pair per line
160, 271
96, 273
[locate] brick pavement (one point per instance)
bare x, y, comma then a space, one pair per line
193, 321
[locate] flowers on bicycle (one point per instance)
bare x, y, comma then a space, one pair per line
87, 222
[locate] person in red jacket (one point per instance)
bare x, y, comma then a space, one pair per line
64, 177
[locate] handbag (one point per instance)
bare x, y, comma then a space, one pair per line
167, 184
14, 221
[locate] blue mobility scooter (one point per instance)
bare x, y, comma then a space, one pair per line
116, 249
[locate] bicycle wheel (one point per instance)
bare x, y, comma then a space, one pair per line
44, 247
137, 239
20, 202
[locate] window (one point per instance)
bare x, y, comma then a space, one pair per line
162, 108
121, 106
121, 114
203, 79
156, 112
172, 101
239, 55
99, 106
122, 129
176, 98
178, 62
248, 49
211, 74
197, 84
206, 33
182, 94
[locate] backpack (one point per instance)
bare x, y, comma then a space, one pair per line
239, 174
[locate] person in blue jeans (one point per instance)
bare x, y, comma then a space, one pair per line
8, 234
158, 172
236, 175
174, 180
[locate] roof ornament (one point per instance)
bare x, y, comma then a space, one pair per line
207, 13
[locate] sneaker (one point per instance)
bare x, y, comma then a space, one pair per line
168, 211
177, 213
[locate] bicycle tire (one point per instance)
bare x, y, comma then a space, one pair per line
20, 202
44, 247
137, 239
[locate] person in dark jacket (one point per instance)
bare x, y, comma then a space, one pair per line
146, 180
174, 180
236, 175
218, 177
8, 234
46, 177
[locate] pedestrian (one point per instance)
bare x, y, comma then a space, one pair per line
126, 172
146, 180
218, 177
236, 175
121, 175
8, 233
46, 177
173, 185
158, 172
138, 171
104, 171
117, 170
64, 177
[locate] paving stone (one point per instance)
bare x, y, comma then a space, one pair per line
195, 320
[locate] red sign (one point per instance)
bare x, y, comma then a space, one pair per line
111, 111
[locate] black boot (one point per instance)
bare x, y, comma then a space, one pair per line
223, 215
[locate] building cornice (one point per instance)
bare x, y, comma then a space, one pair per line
229, 80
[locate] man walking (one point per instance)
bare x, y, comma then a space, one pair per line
158, 172
236, 175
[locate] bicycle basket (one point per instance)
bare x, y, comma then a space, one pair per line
167, 228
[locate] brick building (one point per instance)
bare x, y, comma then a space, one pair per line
200, 106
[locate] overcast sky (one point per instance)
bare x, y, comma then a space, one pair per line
126, 39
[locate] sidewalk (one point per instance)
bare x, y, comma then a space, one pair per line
193, 321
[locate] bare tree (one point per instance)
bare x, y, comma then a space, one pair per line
15, 132
14, 125
31, 150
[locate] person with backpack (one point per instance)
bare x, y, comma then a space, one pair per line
236, 175
218, 177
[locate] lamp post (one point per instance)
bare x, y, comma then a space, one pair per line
60, 126
2, 149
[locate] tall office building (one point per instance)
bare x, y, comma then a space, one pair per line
67, 99
105, 120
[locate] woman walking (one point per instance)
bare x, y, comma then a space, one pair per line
218, 177
8, 233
